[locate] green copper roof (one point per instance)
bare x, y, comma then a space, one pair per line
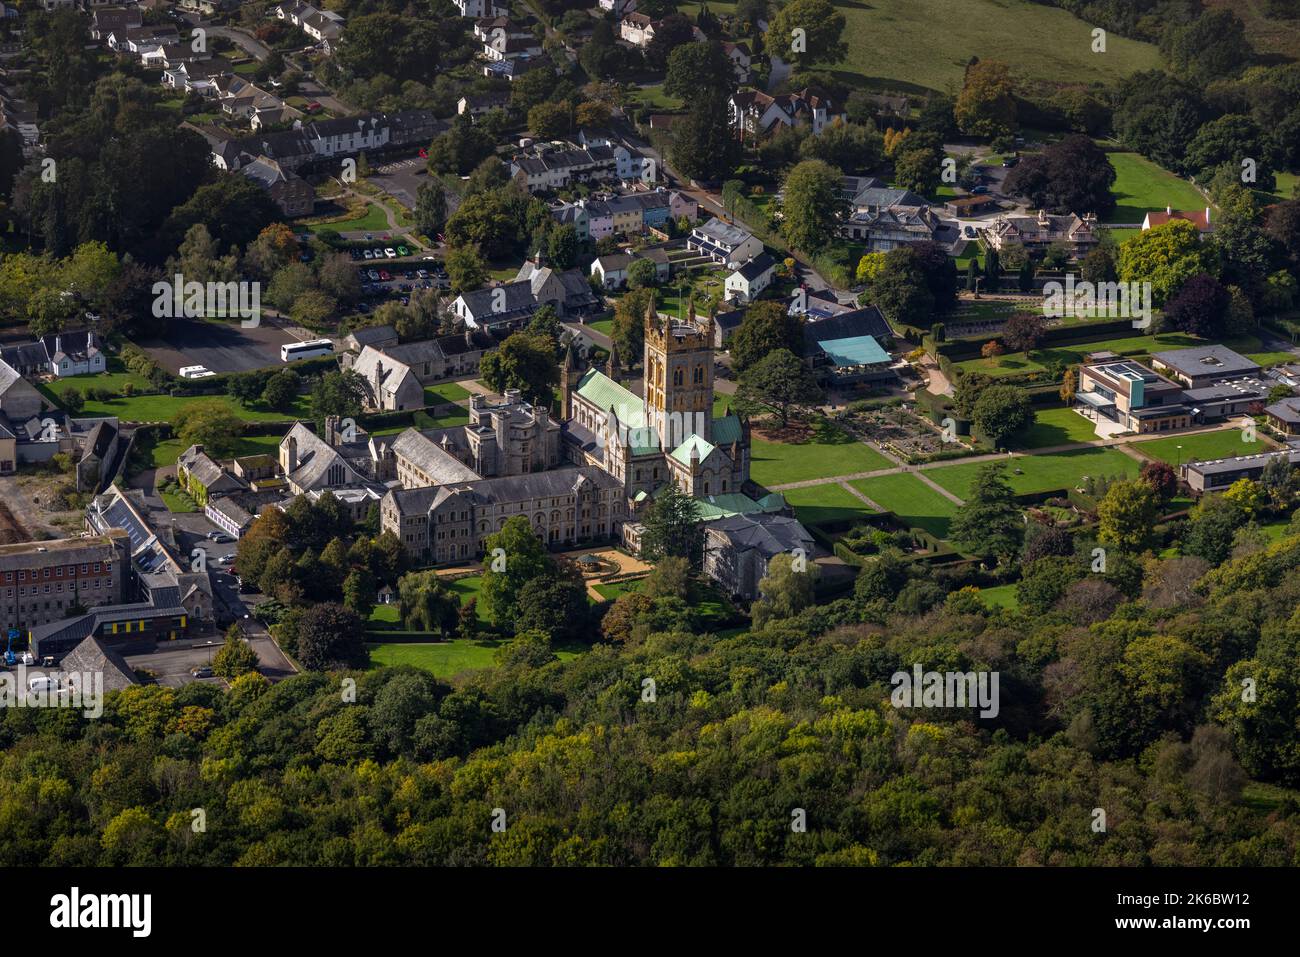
683, 452
604, 393
726, 430
712, 507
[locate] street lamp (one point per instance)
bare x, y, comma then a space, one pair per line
1180, 455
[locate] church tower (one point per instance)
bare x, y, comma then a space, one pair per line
569, 376
679, 376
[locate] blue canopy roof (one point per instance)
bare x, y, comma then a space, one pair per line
855, 351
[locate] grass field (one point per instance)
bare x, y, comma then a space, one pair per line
914, 502
828, 451
167, 452
1000, 596
1055, 427
1201, 448
163, 408
897, 44
1141, 186
820, 504
1039, 473
444, 659
603, 326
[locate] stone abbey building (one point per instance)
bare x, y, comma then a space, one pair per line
588, 476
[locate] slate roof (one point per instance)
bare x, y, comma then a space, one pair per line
756, 267
429, 457
770, 535
93, 655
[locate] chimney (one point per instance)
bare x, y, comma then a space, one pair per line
292, 456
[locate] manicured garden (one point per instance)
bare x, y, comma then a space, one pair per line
114, 380
372, 220
915, 503
1039, 473
1202, 447
824, 504
444, 659
445, 392
1055, 427
826, 451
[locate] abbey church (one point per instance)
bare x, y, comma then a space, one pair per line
589, 475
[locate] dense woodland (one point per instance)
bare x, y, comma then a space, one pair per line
1139, 712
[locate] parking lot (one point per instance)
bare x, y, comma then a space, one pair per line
401, 179
386, 280
219, 346
172, 665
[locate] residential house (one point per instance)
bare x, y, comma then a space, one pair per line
510, 304
748, 280
619, 8
481, 9
117, 19
612, 270
551, 169
323, 26
754, 114
204, 478
741, 59
477, 104
378, 337
58, 354
1036, 233
725, 243
1200, 218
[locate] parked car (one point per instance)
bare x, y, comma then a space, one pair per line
374, 276
390, 252
980, 190
402, 251
1010, 162
368, 254
203, 671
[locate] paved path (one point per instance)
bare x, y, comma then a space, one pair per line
875, 507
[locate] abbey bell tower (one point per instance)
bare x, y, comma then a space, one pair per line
679, 376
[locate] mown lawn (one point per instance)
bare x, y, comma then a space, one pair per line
444, 392
914, 502
444, 658
822, 504
177, 501
163, 408
1000, 596
1055, 427
1141, 186
1039, 473
826, 452
1204, 447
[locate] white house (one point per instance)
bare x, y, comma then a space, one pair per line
751, 278
479, 9
619, 8
754, 113
724, 243
612, 270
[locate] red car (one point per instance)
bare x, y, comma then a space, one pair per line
384, 276
313, 107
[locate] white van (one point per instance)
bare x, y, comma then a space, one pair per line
41, 683
194, 372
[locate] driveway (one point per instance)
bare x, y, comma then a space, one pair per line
249, 43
